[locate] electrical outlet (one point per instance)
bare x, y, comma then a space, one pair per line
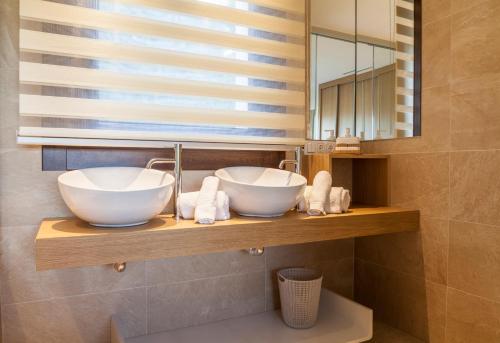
319, 147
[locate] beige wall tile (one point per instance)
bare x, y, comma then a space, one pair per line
28, 194
196, 302
433, 10
422, 254
471, 319
9, 34
9, 105
21, 282
203, 266
475, 186
475, 43
436, 53
475, 123
420, 181
474, 264
83, 318
410, 304
460, 5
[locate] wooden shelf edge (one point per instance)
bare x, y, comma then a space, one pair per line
69, 242
359, 156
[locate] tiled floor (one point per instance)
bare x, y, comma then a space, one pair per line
383, 333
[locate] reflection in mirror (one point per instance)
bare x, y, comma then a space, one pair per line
364, 68
332, 67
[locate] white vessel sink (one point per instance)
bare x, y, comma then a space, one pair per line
261, 192
117, 196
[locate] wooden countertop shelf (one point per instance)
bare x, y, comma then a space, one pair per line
70, 242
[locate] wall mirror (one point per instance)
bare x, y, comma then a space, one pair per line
364, 68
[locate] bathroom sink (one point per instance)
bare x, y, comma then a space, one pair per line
116, 196
261, 192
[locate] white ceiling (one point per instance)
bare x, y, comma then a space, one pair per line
375, 17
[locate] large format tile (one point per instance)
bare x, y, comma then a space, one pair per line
471, 319
9, 33
201, 266
422, 254
436, 53
196, 302
21, 282
460, 5
474, 264
475, 186
475, 44
433, 10
9, 105
475, 123
28, 194
421, 181
408, 303
84, 318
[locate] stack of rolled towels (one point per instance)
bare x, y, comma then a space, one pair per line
321, 198
207, 205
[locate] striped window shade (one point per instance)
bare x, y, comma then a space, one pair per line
405, 61
222, 71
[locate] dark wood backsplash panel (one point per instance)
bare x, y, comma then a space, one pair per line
69, 158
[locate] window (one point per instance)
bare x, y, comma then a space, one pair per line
222, 71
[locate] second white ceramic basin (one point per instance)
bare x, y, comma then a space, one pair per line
116, 196
261, 192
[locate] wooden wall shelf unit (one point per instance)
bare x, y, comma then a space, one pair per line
64, 243
365, 175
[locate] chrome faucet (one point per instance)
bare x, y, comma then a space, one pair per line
177, 171
283, 163
297, 162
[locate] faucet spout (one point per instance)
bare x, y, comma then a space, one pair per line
297, 162
177, 171
283, 163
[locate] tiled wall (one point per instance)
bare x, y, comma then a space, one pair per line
443, 283
74, 305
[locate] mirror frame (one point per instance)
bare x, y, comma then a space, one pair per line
417, 80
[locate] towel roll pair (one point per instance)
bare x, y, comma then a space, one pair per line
337, 201
187, 205
321, 198
207, 205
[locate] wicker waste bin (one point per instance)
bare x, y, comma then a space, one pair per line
300, 289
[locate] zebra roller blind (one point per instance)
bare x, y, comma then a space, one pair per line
405, 61
222, 71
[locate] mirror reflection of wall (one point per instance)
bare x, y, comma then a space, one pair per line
361, 60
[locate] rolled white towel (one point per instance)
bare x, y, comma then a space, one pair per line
187, 204
304, 201
338, 201
206, 204
322, 184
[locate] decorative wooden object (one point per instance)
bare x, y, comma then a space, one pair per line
63, 243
